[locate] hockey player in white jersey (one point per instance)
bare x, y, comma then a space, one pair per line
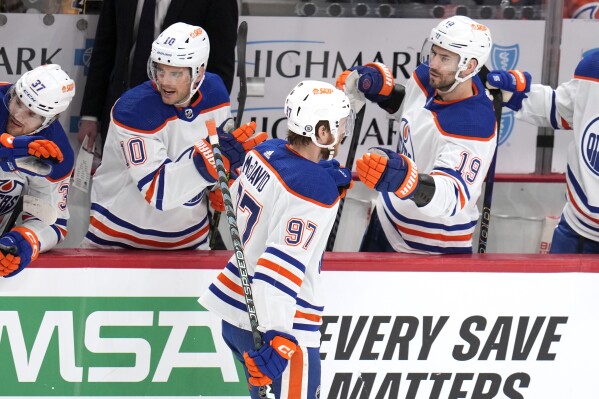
149, 190
574, 105
286, 205
36, 162
447, 137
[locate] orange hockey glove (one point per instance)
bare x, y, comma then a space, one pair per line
387, 171
268, 363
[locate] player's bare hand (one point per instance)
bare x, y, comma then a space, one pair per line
88, 129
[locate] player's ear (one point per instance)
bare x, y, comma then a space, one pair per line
200, 74
472, 64
321, 134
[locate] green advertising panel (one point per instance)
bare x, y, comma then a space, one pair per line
114, 346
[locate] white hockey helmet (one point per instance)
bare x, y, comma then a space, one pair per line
312, 101
463, 36
46, 90
181, 45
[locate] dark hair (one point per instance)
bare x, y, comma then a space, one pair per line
299, 140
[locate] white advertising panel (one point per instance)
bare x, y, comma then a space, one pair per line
140, 332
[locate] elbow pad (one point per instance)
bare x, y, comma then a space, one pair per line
392, 104
425, 190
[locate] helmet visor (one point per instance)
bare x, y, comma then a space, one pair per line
346, 126
19, 112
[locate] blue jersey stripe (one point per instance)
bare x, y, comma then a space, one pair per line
552, 115
160, 194
307, 305
92, 237
287, 258
148, 232
580, 192
275, 283
428, 225
227, 299
306, 327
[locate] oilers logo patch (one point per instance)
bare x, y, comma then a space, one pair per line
587, 11
10, 191
505, 57
405, 145
590, 146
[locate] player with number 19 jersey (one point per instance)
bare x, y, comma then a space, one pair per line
147, 192
453, 141
286, 206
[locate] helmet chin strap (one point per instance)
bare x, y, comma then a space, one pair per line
192, 91
457, 81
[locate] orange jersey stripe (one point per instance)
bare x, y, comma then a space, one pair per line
573, 201
434, 236
150, 192
215, 107
586, 78
230, 284
308, 316
280, 270
172, 118
153, 243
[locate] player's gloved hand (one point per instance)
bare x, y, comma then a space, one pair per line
18, 248
234, 144
341, 176
12, 148
268, 363
513, 84
387, 171
375, 80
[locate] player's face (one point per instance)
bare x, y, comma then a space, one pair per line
21, 119
174, 83
443, 67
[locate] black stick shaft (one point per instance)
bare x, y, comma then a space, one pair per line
349, 164
237, 245
485, 221
242, 35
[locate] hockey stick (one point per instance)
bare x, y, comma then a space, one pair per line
353, 146
485, 220
237, 246
242, 37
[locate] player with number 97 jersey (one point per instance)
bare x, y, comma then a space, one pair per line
286, 199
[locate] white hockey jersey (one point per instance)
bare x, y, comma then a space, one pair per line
147, 193
286, 206
574, 105
454, 142
51, 190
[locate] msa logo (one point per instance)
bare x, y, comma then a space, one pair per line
114, 346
